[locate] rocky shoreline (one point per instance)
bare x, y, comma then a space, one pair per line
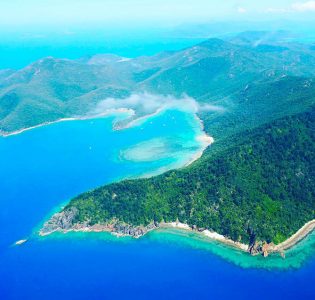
64, 221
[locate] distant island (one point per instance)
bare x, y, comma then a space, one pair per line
253, 188
232, 74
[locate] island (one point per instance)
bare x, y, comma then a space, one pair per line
257, 194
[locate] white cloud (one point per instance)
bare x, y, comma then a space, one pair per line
241, 10
300, 7
273, 10
304, 6
145, 103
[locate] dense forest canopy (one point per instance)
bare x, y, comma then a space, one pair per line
262, 183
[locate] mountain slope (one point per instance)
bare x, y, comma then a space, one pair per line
50, 88
259, 103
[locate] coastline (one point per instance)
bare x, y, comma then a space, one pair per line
289, 243
124, 230
133, 122
296, 237
205, 141
108, 112
214, 236
98, 228
90, 117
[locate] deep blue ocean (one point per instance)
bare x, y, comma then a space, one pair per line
43, 168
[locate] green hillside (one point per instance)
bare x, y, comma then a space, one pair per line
212, 71
262, 184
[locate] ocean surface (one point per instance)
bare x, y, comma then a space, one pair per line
42, 168
83, 44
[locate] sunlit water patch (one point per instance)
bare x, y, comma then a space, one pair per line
177, 147
150, 150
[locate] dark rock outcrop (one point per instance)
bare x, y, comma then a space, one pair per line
65, 221
134, 231
62, 221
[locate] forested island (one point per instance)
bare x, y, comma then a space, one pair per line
257, 191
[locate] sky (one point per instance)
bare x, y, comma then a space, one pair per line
76, 28
21, 13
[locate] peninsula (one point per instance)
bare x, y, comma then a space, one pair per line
245, 196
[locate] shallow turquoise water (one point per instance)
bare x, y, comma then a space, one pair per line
46, 166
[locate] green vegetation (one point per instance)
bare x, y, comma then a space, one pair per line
262, 182
215, 71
